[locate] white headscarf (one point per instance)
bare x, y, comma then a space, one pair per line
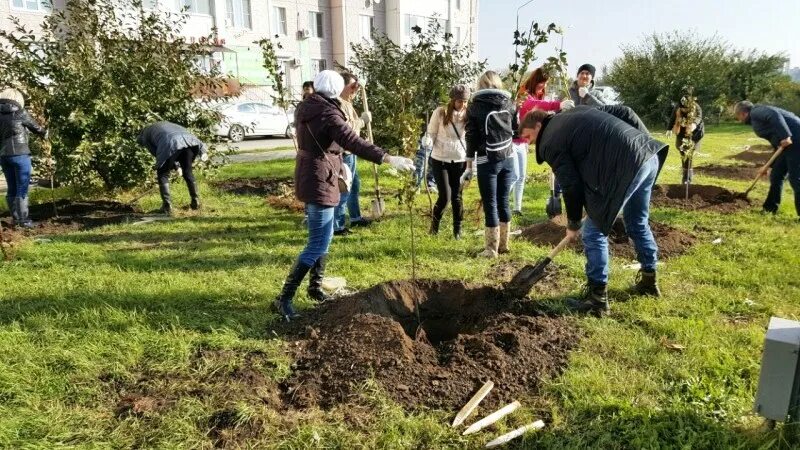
13, 94
329, 83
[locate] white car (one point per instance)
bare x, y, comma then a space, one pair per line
244, 119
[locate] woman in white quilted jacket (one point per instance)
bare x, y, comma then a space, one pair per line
449, 157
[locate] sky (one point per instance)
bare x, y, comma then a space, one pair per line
595, 30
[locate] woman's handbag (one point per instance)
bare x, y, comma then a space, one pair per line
345, 176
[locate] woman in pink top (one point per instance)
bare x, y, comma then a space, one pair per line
530, 97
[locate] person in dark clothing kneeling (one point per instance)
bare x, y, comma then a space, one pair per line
779, 127
173, 146
607, 163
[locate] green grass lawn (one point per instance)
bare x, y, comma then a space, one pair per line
182, 307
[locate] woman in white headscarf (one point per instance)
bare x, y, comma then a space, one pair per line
322, 134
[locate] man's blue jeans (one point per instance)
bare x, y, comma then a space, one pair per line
320, 232
636, 213
17, 171
347, 199
353, 208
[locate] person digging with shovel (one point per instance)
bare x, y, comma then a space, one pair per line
607, 163
779, 127
173, 146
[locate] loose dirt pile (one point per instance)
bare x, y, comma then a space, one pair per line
468, 335
757, 154
279, 192
671, 241
72, 216
701, 197
734, 172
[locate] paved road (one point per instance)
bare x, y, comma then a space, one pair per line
243, 154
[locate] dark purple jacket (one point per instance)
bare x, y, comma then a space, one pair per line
316, 173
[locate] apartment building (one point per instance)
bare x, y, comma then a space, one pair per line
314, 34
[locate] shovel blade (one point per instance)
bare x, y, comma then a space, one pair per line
527, 277
553, 207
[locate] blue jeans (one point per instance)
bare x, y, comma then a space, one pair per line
787, 165
17, 171
521, 156
320, 232
494, 183
347, 199
423, 153
353, 208
636, 213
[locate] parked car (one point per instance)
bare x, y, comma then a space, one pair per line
244, 119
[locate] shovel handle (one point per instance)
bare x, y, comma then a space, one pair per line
371, 140
559, 248
765, 167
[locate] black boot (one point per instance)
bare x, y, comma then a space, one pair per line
646, 284
166, 200
315, 281
283, 304
435, 221
22, 210
457, 231
195, 196
594, 300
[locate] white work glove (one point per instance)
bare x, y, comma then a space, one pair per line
567, 105
691, 127
427, 142
669, 134
400, 163
470, 172
180, 171
366, 117
583, 91
204, 156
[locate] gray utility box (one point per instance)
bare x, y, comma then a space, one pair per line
779, 384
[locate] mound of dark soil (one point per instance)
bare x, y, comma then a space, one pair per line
733, 172
72, 216
701, 197
671, 241
468, 335
758, 154
279, 192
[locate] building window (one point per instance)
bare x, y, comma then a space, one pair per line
317, 66
239, 13
458, 4
457, 35
315, 24
194, 6
279, 21
415, 21
30, 5
367, 25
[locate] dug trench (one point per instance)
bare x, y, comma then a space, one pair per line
278, 192
468, 334
671, 241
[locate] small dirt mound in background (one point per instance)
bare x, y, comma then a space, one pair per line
671, 241
758, 154
279, 192
737, 172
468, 335
701, 197
72, 216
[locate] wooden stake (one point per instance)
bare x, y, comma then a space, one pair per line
492, 418
508, 437
473, 403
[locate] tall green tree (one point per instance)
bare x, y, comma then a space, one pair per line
97, 72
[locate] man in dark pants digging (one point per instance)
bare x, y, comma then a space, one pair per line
607, 163
779, 127
173, 146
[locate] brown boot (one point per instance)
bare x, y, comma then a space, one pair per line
646, 284
492, 237
502, 245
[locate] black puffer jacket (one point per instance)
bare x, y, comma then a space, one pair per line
595, 154
491, 125
164, 139
14, 125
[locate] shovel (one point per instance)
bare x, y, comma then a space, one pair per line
377, 206
553, 207
764, 169
524, 280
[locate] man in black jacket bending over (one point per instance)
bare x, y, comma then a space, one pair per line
607, 163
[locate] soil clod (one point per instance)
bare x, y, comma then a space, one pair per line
470, 335
701, 197
671, 241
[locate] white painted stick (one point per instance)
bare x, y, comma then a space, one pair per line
473, 403
492, 418
504, 439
